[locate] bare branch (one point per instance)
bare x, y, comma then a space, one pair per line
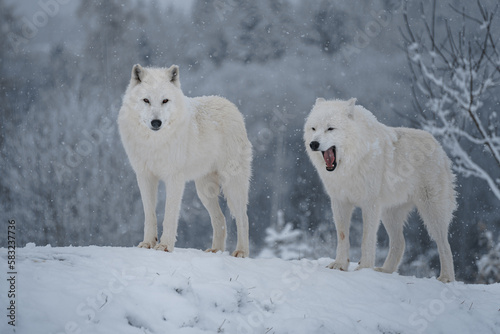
451, 81
463, 13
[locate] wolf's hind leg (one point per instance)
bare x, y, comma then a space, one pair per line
437, 217
208, 190
236, 192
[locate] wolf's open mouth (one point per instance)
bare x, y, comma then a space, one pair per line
330, 159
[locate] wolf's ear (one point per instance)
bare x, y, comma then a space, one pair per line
320, 99
137, 74
173, 75
350, 107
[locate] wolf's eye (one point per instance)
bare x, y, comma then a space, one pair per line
331, 129
164, 101
314, 129
146, 101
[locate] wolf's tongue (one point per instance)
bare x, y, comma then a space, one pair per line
329, 157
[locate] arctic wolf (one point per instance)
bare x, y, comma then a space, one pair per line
172, 138
386, 172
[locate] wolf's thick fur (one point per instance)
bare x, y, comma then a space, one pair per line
172, 138
386, 172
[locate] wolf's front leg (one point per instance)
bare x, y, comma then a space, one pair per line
175, 189
371, 220
148, 186
342, 216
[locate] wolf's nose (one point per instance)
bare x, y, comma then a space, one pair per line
155, 124
314, 145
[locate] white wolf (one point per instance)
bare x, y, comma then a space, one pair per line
172, 138
386, 172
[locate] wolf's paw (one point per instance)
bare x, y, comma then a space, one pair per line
214, 250
145, 244
362, 267
338, 266
239, 253
445, 279
382, 270
164, 248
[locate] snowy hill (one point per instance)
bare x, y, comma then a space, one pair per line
131, 290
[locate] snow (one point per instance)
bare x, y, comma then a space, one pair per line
131, 290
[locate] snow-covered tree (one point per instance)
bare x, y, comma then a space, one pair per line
328, 25
283, 241
456, 72
489, 264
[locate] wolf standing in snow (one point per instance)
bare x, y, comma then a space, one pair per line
172, 138
386, 172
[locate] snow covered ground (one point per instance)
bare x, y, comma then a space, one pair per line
131, 290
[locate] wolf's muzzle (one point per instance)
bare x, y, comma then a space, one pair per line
155, 124
314, 145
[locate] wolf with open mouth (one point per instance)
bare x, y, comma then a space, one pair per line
385, 171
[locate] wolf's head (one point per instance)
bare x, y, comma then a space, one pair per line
327, 130
155, 96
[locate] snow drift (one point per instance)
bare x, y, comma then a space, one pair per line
131, 290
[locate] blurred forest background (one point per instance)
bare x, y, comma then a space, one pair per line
64, 66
